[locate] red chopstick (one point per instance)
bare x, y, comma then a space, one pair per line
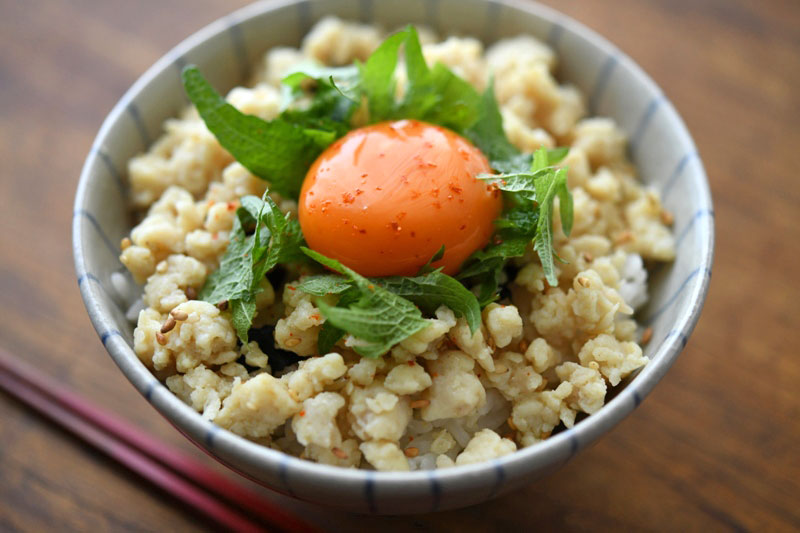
186, 479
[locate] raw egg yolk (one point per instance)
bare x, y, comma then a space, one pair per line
383, 199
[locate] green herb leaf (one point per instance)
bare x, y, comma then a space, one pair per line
322, 284
547, 188
424, 269
377, 77
488, 135
276, 150
379, 319
276, 239
431, 290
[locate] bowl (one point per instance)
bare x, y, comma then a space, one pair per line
660, 147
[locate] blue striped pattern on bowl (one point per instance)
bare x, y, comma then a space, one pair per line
660, 146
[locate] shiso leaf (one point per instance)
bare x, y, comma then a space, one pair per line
276, 238
379, 319
276, 150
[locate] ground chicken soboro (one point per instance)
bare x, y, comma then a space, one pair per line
443, 397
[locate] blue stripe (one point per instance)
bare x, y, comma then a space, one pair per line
702, 213
636, 399
369, 492
602, 81
108, 334
303, 17
573, 443
112, 170
211, 434
133, 111
283, 474
679, 168
365, 10
500, 476
644, 122
436, 490
554, 36
148, 392
489, 29
682, 335
93, 221
239, 47
671, 300
87, 276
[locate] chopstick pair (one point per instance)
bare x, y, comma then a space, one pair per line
190, 481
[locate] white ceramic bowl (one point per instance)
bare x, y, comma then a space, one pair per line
660, 147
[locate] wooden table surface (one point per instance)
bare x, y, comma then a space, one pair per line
716, 446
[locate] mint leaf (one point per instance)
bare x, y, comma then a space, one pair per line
435, 95
428, 291
431, 290
242, 313
322, 284
379, 319
547, 188
488, 135
424, 269
276, 150
377, 77
276, 239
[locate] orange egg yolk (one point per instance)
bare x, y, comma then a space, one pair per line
383, 199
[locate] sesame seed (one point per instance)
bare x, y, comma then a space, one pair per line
125, 243
161, 338
179, 315
168, 325
647, 335
340, 453
191, 293
416, 404
291, 343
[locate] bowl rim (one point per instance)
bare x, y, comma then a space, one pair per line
215, 439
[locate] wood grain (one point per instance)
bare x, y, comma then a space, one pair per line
713, 448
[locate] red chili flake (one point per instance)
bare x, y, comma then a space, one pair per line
435, 374
381, 155
215, 235
410, 438
364, 175
404, 179
437, 205
415, 195
411, 363
362, 231
378, 189
435, 192
428, 144
431, 165
302, 413
348, 198
413, 233
359, 191
455, 188
231, 206
345, 221
371, 287
395, 226
462, 227
401, 215
291, 288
